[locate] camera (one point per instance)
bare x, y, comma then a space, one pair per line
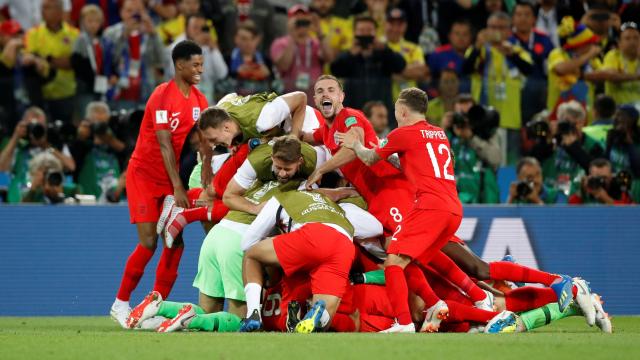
538, 130
596, 182
302, 23
620, 184
54, 178
36, 130
483, 120
524, 189
566, 127
99, 128
364, 40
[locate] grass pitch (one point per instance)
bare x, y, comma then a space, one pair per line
99, 338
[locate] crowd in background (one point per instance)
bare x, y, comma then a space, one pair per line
550, 88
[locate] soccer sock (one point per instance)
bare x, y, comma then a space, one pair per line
460, 312
450, 271
505, 270
375, 277
253, 292
528, 297
546, 314
193, 195
196, 214
417, 282
325, 318
342, 323
167, 270
133, 271
219, 321
398, 293
170, 309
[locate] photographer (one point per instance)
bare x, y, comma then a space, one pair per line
529, 188
623, 145
367, 68
602, 187
32, 136
476, 148
96, 150
562, 148
46, 179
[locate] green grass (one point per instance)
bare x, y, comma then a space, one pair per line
99, 338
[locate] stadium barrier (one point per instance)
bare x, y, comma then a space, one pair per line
68, 260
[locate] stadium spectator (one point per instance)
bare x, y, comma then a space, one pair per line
623, 146
248, 68
574, 67
602, 22
416, 69
548, 19
529, 188
448, 91
378, 115
367, 67
298, 56
538, 45
111, 9
96, 152
599, 187
30, 137
11, 43
214, 67
377, 10
421, 19
498, 69
236, 12
337, 30
52, 41
88, 58
137, 53
622, 66
604, 107
169, 31
451, 56
28, 13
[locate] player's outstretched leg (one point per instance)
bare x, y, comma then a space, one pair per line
145, 310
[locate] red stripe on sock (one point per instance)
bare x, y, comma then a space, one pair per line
398, 293
193, 195
167, 270
528, 298
504, 270
133, 271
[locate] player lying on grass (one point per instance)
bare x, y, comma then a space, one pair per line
327, 259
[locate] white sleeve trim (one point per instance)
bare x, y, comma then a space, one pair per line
273, 114
262, 225
246, 175
364, 224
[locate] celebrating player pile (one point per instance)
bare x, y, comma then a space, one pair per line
365, 244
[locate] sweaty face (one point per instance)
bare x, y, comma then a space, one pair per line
284, 171
328, 97
220, 136
190, 70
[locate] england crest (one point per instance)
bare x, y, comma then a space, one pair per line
196, 113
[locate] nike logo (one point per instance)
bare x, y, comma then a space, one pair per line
174, 114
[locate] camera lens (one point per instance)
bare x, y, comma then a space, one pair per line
54, 178
524, 189
37, 130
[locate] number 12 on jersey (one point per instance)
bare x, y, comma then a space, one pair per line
434, 161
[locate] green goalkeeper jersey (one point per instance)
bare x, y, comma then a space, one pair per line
258, 193
245, 110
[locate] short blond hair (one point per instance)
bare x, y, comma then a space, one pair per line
573, 108
91, 9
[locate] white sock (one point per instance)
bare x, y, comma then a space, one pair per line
119, 303
325, 318
252, 292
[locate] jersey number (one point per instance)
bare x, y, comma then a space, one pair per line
398, 229
436, 169
174, 124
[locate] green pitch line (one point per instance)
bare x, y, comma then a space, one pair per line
100, 338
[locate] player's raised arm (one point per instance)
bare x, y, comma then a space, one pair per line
169, 160
352, 141
234, 199
262, 225
297, 102
341, 158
